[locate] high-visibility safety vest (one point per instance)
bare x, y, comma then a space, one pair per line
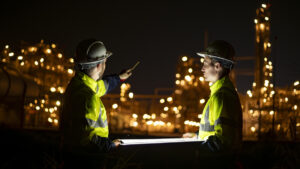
222, 115
84, 115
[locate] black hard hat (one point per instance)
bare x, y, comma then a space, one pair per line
89, 53
221, 51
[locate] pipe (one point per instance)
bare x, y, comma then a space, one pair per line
14, 84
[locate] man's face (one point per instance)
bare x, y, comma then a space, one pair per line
210, 71
101, 68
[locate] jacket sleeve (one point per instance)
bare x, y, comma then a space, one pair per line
103, 144
107, 84
223, 123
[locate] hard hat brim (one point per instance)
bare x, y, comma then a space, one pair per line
203, 54
98, 60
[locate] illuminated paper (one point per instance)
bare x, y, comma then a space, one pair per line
157, 141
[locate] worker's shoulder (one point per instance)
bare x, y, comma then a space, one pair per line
225, 93
77, 88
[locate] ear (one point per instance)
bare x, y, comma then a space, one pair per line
217, 66
98, 65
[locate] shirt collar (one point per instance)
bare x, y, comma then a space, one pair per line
88, 81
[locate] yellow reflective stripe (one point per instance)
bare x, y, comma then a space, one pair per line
206, 116
95, 119
98, 123
206, 126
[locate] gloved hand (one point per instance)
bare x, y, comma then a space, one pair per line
125, 74
117, 142
214, 143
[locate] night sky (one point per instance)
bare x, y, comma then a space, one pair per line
156, 33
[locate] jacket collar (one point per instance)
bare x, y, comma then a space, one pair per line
88, 81
223, 82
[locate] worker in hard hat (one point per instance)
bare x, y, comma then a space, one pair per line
84, 118
221, 122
